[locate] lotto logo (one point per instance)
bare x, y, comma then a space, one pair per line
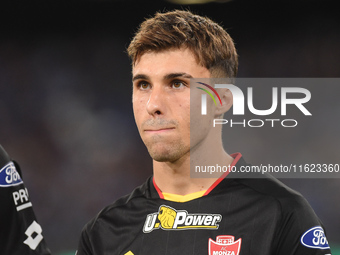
9, 176
168, 218
34, 237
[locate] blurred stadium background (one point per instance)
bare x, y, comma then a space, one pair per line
65, 96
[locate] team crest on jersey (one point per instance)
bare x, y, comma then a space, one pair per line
9, 176
315, 238
168, 218
224, 245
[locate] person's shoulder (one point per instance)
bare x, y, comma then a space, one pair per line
298, 228
273, 189
265, 185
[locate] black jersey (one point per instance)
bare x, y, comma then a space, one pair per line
236, 216
20, 233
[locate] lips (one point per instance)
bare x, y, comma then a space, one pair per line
159, 130
158, 126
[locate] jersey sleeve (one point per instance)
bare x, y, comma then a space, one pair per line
301, 231
84, 243
20, 233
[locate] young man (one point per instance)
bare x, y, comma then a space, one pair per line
20, 233
173, 213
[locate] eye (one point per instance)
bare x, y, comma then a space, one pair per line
178, 84
143, 85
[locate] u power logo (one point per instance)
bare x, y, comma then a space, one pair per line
168, 218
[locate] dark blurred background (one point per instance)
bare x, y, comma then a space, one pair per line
65, 96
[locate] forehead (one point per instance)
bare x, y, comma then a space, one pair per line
172, 60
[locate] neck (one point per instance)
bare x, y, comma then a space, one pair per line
174, 177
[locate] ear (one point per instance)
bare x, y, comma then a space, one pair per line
227, 101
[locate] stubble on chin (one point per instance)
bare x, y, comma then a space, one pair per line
169, 152
161, 148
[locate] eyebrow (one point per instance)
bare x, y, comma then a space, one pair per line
166, 77
175, 75
140, 77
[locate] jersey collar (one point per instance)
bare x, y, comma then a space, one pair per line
177, 198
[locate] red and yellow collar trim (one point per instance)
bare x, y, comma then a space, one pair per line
192, 196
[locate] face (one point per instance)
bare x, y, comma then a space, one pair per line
161, 101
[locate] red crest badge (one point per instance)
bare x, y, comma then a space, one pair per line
224, 245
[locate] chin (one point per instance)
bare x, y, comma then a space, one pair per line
163, 157
166, 155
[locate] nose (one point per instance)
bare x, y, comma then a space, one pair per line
156, 103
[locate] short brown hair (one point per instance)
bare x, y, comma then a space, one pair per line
210, 43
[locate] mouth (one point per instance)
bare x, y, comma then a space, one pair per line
158, 130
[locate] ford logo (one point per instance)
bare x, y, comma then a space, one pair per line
9, 176
315, 238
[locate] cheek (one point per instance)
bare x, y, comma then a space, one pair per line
137, 110
137, 99
185, 116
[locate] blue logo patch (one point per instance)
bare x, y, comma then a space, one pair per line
315, 238
9, 176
